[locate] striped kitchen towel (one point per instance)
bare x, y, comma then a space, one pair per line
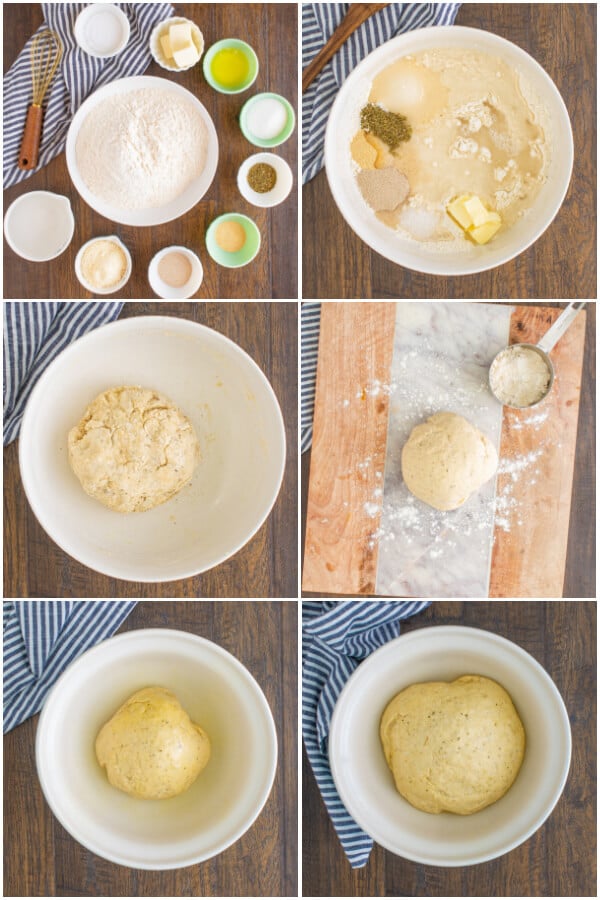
319, 21
34, 334
78, 75
310, 320
336, 636
41, 638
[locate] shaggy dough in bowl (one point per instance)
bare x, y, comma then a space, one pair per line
446, 459
151, 749
453, 746
133, 449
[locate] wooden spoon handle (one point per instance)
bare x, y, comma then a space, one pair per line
30, 145
356, 15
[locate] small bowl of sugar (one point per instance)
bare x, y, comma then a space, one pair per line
264, 179
175, 273
103, 265
267, 120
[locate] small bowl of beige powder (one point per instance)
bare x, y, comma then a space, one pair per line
175, 273
233, 240
103, 265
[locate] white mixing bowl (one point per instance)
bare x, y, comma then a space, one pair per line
217, 692
366, 785
344, 122
238, 422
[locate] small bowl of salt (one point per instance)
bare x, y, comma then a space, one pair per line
267, 120
103, 265
175, 273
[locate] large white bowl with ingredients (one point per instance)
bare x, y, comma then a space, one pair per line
216, 691
234, 412
151, 215
366, 785
344, 122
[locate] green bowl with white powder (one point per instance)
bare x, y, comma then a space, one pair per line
267, 120
237, 258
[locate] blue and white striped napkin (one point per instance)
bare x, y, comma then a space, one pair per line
310, 321
41, 638
336, 636
78, 75
319, 21
34, 333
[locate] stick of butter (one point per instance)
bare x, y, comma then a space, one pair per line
180, 35
480, 223
165, 43
187, 56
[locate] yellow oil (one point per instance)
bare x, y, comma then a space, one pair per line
230, 67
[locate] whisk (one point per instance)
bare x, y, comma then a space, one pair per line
46, 53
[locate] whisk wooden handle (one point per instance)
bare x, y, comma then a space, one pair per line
30, 145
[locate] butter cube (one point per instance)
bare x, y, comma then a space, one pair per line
180, 36
166, 46
186, 57
476, 211
457, 210
481, 234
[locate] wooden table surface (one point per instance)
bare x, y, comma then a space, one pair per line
562, 263
271, 29
559, 860
34, 566
580, 569
42, 860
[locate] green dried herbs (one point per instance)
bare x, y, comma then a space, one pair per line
262, 178
390, 127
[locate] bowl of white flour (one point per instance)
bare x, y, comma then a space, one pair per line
142, 151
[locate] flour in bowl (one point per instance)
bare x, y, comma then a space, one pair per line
141, 149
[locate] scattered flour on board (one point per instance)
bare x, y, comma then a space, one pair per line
141, 149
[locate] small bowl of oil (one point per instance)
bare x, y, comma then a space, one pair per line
230, 66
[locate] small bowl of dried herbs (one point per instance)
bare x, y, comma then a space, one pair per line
264, 179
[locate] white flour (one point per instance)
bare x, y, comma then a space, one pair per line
141, 149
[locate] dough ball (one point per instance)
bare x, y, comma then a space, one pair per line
446, 459
150, 748
453, 746
133, 449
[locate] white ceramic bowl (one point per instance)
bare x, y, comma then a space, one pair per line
283, 184
344, 123
156, 47
217, 692
155, 215
83, 280
102, 30
39, 225
167, 291
365, 782
236, 417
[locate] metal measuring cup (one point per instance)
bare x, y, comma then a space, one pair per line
542, 348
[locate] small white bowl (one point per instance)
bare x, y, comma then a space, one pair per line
39, 225
365, 782
92, 288
283, 185
235, 414
217, 692
156, 47
411, 254
166, 291
102, 30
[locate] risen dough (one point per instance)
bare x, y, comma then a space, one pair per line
133, 449
150, 747
446, 459
453, 746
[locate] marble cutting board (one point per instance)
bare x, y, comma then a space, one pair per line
382, 368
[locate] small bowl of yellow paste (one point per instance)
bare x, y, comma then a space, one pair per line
230, 66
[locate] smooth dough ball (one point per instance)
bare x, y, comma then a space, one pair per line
133, 449
446, 459
453, 746
151, 749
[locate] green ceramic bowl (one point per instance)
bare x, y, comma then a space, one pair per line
285, 132
240, 257
231, 44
